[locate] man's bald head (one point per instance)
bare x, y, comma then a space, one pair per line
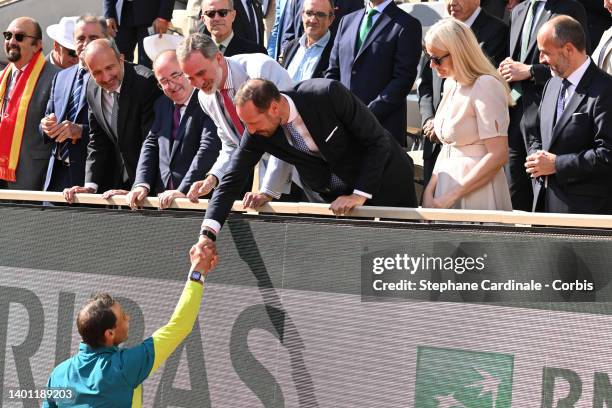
562, 45
565, 30
105, 63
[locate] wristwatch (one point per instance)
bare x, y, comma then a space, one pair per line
196, 277
208, 233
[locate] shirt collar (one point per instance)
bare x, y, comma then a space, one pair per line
322, 42
85, 348
228, 80
225, 43
470, 20
378, 8
118, 90
293, 113
577, 75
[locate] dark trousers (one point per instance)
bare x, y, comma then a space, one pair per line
521, 190
129, 35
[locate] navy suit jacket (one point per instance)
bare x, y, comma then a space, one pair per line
191, 155
145, 11
61, 89
242, 26
381, 73
582, 140
353, 144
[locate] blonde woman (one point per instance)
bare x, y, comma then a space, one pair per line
471, 121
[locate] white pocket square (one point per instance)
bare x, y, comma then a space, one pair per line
331, 134
578, 113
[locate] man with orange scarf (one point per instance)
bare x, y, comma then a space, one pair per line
24, 90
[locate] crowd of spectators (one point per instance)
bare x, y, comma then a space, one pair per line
514, 116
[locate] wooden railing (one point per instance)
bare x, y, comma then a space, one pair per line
370, 212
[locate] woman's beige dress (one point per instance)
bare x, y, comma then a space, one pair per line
466, 116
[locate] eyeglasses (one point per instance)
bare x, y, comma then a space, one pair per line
164, 82
318, 14
436, 60
19, 37
71, 53
220, 12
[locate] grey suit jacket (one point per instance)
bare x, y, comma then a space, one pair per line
34, 154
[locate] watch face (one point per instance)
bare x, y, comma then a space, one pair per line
196, 275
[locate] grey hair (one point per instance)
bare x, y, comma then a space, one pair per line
93, 19
197, 42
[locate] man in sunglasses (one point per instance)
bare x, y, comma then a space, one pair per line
63, 54
24, 87
218, 17
66, 123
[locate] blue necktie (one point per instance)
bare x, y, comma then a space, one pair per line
337, 185
62, 149
561, 99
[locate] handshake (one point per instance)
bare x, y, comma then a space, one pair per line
203, 258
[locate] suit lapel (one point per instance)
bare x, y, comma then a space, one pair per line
517, 27
383, 20
575, 101
548, 111
544, 17
63, 91
83, 99
352, 33
125, 99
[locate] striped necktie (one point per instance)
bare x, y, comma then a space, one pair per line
62, 149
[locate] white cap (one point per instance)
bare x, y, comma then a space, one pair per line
155, 45
63, 33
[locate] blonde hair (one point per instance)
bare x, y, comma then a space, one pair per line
469, 62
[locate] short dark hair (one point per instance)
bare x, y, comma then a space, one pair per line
95, 318
259, 91
568, 30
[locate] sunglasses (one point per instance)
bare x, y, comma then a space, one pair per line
71, 53
436, 60
220, 12
18, 36
318, 14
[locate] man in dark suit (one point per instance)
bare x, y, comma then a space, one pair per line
66, 121
571, 156
120, 100
218, 17
248, 23
182, 144
492, 34
308, 56
337, 146
131, 23
527, 78
376, 53
23, 153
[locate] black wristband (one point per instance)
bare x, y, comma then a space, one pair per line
532, 73
208, 233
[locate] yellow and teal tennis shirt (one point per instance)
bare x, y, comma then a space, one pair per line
112, 376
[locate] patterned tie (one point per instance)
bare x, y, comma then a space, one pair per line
115, 114
561, 99
366, 26
337, 185
231, 111
176, 120
62, 150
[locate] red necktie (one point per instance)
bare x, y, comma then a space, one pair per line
231, 110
